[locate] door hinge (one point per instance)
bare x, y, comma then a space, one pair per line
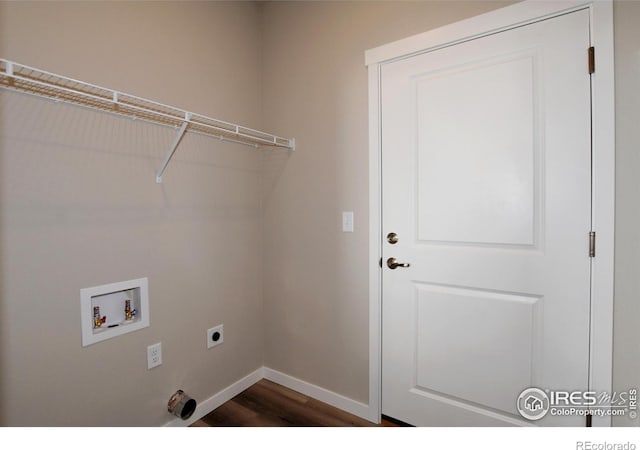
592, 60
592, 244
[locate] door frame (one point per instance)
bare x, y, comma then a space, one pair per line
603, 172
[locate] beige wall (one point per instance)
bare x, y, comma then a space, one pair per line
626, 364
80, 208
315, 88
316, 300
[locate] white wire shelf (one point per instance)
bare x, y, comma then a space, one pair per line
29, 80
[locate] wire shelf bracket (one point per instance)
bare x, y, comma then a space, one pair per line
29, 80
173, 148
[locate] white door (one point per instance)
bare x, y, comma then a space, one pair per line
486, 180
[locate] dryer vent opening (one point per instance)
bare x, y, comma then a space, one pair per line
181, 405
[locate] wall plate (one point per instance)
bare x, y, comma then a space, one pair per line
215, 336
110, 299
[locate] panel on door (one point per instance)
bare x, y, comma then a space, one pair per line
486, 175
489, 101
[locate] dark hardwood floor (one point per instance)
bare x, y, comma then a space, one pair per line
267, 404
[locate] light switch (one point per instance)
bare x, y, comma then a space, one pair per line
347, 221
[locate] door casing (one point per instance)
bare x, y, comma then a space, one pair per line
603, 170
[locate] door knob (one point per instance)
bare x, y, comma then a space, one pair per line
392, 238
392, 263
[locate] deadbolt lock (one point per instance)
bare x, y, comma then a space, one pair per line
392, 238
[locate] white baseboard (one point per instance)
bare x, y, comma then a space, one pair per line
324, 395
218, 399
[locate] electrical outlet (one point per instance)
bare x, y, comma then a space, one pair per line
154, 355
215, 336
